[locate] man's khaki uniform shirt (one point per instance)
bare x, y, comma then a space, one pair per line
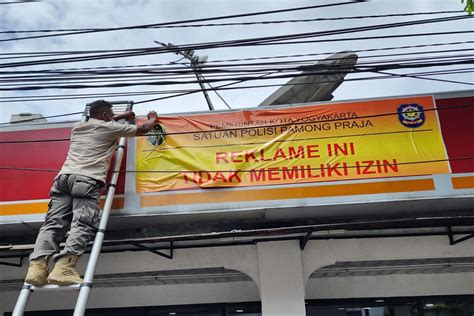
92, 145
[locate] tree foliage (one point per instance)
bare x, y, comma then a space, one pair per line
469, 6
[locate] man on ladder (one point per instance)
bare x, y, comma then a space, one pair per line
74, 204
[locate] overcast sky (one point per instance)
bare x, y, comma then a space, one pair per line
53, 14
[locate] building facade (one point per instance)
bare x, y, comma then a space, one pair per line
360, 207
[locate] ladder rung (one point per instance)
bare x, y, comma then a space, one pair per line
52, 287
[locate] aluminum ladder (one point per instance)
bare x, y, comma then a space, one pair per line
85, 287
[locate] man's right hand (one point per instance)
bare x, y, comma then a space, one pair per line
148, 125
152, 115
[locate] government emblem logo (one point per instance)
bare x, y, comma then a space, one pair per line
411, 115
156, 136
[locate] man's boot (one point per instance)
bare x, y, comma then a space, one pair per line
37, 271
64, 271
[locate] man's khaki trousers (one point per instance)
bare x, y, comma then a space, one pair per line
73, 208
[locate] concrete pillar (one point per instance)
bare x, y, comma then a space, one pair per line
282, 287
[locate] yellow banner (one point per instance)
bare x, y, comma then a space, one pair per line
356, 140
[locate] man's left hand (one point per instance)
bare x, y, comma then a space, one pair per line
128, 115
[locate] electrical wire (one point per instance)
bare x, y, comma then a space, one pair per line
229, 60
309, 70
42, 118
131, 27
166, 69
220, 97
371, 116
249, 79
50, 97
365, 38
19, 1
358, 17
85, 69
154, 50
154, 93
212, 71
213, 89
359, 51
269, 40
426, 78
243, 170
179, 93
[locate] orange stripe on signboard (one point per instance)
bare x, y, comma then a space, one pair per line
23, 208
289, 193
117, 203
42, 207
463, 182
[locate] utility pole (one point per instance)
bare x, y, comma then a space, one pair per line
196, 61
